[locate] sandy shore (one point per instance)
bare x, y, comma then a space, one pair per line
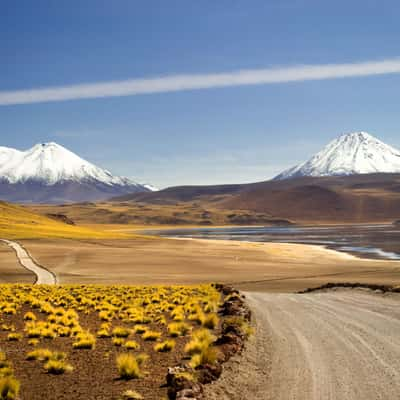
249, 266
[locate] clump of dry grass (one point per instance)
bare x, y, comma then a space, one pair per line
200, 348
176, 329
9, 388
210, 321
30, 316
151, 335
129, 366
131, 345
208, 355
57, 367
14, 337
140, 329
85, 340
131, 395
121, 332
201, 340
118, 341
165, 346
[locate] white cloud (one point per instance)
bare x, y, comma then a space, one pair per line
175, 83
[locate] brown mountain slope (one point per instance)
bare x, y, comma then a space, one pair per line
180, 193
356, 198
361, 198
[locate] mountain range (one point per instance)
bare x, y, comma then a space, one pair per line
49, 173
356, 178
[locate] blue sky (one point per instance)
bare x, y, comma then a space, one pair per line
217, 135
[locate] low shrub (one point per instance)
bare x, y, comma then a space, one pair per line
39, 354
30, 316
131, 345
166, 346
9, 388
140, 329
57, 367
6, 371
128, 366
151, 335
207, 355
131, 395
85, 340
121, 332
103, 333
48, 333
14, 337
176, 329
210, 321
201, 340
118, 341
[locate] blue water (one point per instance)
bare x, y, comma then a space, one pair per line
368, 241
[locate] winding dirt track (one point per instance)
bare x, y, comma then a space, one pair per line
43, 276
319, 346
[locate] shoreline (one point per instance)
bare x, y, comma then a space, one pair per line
327, 250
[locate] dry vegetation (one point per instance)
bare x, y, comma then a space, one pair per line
102, 342
17, 222
176, 213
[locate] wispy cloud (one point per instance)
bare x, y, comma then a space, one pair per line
182, 82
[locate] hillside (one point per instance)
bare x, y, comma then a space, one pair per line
354, 198
17, 222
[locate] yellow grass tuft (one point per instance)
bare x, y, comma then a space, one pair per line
9, 388
131, 395
165, 346
151, 335
121, 332
57, 367
85, 340
131, 345
128, 366
14, 337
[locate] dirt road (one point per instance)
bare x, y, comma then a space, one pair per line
319, 346
43, 276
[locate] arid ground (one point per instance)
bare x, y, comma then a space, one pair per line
10, 269
249, 266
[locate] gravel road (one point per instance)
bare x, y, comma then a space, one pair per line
342, 345
43, 276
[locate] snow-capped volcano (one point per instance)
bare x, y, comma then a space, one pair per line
60, 174
349, 154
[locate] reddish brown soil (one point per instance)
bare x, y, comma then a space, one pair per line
95, 376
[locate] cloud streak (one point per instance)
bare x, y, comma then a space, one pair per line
184, 82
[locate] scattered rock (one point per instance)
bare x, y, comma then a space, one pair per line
333, 286
61, 218
182, 385
235, 314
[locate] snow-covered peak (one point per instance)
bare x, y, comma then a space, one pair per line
349, 154
50, 163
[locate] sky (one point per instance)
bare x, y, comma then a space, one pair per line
197, 92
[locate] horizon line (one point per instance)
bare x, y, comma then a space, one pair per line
186, 82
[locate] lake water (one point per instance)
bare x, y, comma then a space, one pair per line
369, 241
